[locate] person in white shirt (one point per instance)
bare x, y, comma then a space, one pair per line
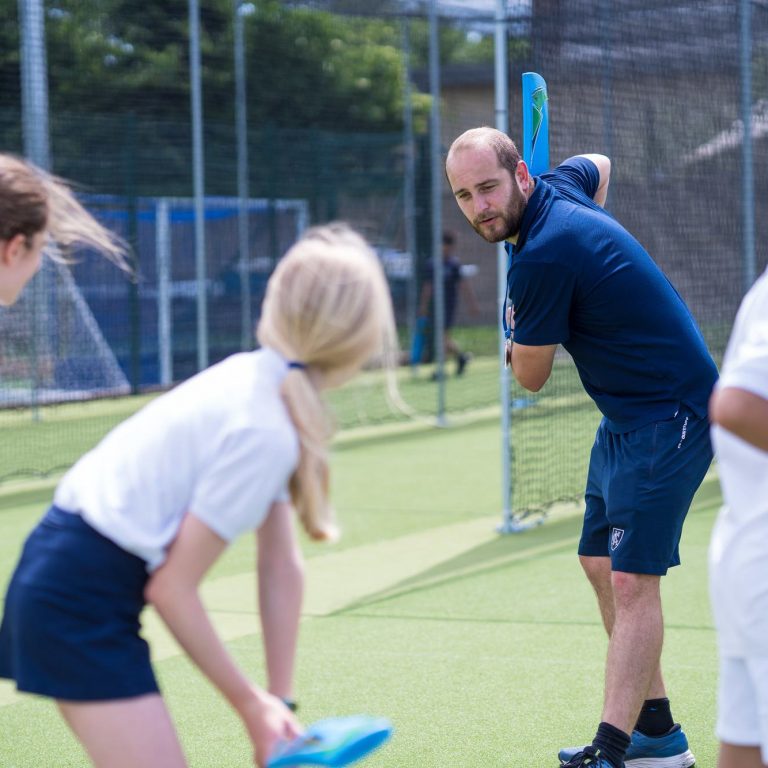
145, 514
36, 206
738, 562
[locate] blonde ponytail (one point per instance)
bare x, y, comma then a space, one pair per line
328, 306
310, 483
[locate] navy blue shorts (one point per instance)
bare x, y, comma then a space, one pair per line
70, 627
639, 489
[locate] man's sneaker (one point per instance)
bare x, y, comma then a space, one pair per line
667, 751
587, 757
461, 362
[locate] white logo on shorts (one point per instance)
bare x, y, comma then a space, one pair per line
617, 534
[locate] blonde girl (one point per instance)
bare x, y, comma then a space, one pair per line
143, 517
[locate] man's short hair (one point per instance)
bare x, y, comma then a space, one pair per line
505, 149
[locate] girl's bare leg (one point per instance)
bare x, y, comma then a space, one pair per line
125, 733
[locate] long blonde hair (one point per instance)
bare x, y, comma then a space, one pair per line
33, 201
328, 307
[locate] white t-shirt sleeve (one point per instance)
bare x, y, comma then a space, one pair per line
249, 473
746, 363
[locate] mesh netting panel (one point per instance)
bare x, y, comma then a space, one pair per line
655, 85
658, 88
52, 347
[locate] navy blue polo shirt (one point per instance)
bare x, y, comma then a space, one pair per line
579, 279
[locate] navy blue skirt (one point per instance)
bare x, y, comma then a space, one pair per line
70, 627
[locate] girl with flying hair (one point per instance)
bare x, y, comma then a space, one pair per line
36, 207
143, 516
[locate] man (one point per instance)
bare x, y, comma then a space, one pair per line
737, 564
453, 280
579, 279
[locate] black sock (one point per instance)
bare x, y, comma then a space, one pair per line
655, 718
612, 743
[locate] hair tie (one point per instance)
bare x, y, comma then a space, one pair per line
296, 364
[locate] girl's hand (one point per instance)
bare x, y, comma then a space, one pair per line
268, 721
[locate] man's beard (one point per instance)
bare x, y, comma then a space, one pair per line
509, 220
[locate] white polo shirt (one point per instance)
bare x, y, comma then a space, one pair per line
220, 446
739, 547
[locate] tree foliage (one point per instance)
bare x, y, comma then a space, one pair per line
305, 67
119, 90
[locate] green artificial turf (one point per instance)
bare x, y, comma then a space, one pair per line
486, 651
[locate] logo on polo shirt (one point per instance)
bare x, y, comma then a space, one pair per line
617, 534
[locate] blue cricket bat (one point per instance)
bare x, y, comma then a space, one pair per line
536, 155
535, 123
535, 142
334, 742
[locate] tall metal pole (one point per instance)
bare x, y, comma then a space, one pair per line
747, 176
241, 127
34, 101
437, 207
164, 322
409, 181
501, 81
34, 83
199, 183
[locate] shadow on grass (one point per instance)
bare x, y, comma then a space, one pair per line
512, 549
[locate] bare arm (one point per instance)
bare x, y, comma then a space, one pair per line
603, 164
532, 365
742, 413
281, 588
173, 590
